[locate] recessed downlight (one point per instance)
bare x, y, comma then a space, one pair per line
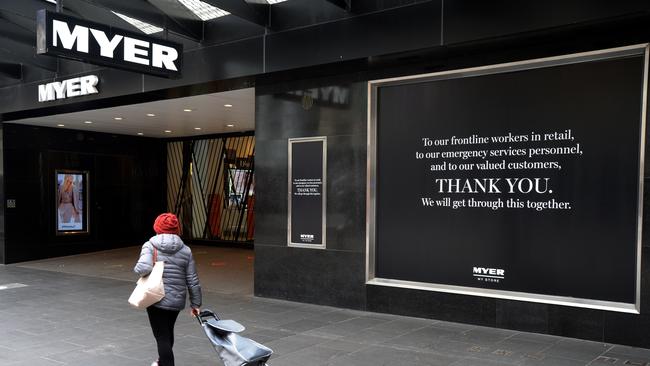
197, 128
150, 115
118, 118
168, 131
61, 125
140, 134
187, 110
230, 125
88, 122
228, 105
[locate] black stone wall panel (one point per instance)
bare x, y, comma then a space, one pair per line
127, 187
469, 20
315, 276
271, 182
405, 28
522, 315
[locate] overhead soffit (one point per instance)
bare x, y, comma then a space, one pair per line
208, 114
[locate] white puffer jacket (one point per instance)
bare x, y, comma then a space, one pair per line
179, 275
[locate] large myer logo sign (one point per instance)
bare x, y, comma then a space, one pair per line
65, 36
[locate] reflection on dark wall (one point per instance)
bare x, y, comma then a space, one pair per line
334, 276
126, 189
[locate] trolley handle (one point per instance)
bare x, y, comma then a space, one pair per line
206, 314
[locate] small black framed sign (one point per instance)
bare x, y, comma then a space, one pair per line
71, 197
307, 192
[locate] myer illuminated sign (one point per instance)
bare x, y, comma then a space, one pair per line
65, 36
74, 87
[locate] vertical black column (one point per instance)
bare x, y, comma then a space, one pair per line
186, 189
2, 197
332, 109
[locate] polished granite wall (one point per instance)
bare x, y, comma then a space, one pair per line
126, 189
336, 276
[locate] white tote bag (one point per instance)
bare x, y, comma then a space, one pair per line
150, 289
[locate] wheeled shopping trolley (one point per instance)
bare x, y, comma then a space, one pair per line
233, 349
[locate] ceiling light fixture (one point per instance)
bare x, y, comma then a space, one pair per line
146, 28
187, 110
228, 105
168, 131
60, 125
118, 118
150, 115
203, 10
88, 122
197, 128
230, 125
140, 133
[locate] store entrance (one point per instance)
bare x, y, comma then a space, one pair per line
210, 186
201, 168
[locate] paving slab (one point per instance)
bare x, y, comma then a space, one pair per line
65, 314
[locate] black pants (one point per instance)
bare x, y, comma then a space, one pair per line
162, 324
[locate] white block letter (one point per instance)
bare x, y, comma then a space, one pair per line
88, 84
59, 88
45, 93
79, 35
73, 87
106, 47
163, 56
132, 52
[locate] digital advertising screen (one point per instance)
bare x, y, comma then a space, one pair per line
71, 196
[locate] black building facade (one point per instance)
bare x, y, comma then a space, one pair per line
311, 62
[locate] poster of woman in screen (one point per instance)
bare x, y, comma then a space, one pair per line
70, 202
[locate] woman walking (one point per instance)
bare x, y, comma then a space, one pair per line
179, 276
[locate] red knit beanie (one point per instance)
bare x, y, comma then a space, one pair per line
166, 223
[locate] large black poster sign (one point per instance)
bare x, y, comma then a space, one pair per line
65, 36
307, 167
519, 182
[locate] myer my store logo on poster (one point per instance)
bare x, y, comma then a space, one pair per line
484, 274
307, 238
69, 37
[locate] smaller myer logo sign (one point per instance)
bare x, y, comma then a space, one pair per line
75, 87
307, 238
61, 35
485, 274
